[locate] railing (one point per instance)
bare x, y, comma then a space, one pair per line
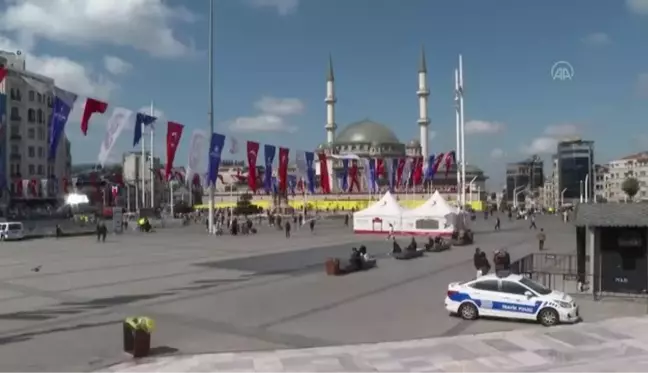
548, 263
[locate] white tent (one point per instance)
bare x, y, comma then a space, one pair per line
434, 217
378, 217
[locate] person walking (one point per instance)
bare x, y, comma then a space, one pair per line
287, 229
542, 237
497, 223
533, 223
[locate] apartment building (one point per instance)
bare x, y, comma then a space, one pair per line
27, 103
525, 175
634, 165
575, 170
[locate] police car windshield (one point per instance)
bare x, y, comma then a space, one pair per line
535, 286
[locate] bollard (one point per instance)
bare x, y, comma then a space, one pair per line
137, 335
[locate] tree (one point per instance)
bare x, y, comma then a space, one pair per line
630, 187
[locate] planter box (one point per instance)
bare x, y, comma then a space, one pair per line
332, 267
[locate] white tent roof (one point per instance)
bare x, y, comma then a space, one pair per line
435, 206
386, 206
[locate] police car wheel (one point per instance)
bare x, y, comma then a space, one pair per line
548, 317
468, 311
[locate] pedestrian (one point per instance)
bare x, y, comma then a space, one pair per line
287, 229
312, 225
542, 237
481, 262
533, 224
497, 223
346, 220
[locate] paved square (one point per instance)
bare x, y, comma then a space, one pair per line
220, 294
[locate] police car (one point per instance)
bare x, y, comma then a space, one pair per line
510, 297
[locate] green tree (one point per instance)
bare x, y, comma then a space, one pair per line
630, 187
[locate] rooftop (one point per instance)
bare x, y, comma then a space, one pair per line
635, 156
612, 215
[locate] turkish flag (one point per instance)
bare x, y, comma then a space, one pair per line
33, 187
252, 154
91, 106
353, 175
3, 73
399, 170
418, 170
380, 168
174, 133
283, 169
324, 174
115, 191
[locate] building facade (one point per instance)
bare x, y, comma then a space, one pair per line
634, 165
527, 175
27, 102
576, 177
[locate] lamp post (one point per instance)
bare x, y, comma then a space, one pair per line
586, 188
210, 113
470, 188
562, 197
581, 191
516, 193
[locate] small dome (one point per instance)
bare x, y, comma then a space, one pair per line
414, 144
366, 131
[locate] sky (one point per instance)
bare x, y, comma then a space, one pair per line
271, 56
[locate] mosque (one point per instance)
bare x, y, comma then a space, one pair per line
366, 138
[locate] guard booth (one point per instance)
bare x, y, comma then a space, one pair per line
615, 236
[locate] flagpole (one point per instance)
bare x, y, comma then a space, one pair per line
458, 146
152, 164
463, 134
143, 163
210, 113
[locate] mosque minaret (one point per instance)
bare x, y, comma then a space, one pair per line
423, 93
330, 104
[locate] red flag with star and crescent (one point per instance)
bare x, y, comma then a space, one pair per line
174, 133
283, 169
252, 153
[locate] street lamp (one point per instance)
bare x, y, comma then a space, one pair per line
586, 188
562, 197
470, 188
516, 193
581, 191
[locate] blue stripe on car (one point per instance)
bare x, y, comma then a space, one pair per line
504, 306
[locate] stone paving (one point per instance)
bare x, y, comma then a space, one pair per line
224, 294
615, 345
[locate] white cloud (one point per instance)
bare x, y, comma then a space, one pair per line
116, 65
68, 74
272, 117
562, 130
637, 6
142, 24
597, 39
283, 7
497, 153
482, 127
279, 106
642, 85
547, 143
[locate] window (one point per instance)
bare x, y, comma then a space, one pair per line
41, 169
540, 289
32, 170
39, 98
31, 133
31, 95
488, 285
50, 101
14, 149
513, 288
41, 133
41, 152
31, 152
15, 114
31, 115
40, 116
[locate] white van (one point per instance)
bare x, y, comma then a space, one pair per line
11, 230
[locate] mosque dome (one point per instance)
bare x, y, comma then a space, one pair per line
366, 132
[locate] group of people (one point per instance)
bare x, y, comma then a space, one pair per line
360, 259
501, 260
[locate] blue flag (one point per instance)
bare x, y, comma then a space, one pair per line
3, 140
142, 120
372, 175
310, 171
215, 151
269, 155
392, 166
61, 108
292, 183
275, 185
429, 170
345, 174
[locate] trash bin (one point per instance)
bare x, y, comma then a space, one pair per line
137, 336
332, 267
